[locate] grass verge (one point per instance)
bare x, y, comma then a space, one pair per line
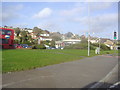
17, 60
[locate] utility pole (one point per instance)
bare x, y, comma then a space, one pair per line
99, 45
88, 29
88, 45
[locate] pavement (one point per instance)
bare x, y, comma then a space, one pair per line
76, 74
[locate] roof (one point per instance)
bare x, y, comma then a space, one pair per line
7, 29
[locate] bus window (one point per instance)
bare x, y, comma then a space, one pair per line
4, 41
9, 33
3, 32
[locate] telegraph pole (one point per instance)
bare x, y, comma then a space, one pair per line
88, 29
99, 45
88, 45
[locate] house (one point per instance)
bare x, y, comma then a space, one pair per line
43, 38
34, 35
110, 44
71, 41
94, 41
29, 30
59, 44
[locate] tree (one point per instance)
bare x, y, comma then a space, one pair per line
36, 30
52, 43
17, 31
69, 34
56, 38
30, 38
84, 41
23, 33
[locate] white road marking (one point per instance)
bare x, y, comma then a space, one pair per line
8, 84
105, 78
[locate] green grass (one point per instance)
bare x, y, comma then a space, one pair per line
17, 60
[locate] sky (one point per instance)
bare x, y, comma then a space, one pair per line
99, 19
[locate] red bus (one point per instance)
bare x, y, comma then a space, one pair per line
7, 38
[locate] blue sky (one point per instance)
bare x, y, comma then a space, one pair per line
63, 16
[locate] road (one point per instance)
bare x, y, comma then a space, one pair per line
75, 74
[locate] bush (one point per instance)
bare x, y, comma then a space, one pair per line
80, 46
41, 46
102, 46
85, 46
34, 47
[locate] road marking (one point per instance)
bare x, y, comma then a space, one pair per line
11, 83
116, 84
103, 80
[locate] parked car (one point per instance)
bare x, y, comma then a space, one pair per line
60, 48
22, 46
26, 46
17, 46
51, 48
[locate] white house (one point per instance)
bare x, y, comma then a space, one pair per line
59, 44
110, 44
72, 41
94, 41
45, 38
30, 30
47, 35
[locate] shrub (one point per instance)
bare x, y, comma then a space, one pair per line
34, 47
104, 47
85, 46
80, 46
41, 46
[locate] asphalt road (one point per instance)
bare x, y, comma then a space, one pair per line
76, 74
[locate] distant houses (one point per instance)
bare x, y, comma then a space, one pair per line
94, 41
61, 40
71, 41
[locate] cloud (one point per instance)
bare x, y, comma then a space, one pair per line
99, 6
71, 11
21, 25
99, 23
81, 7
44, 13
51, 26
10, 12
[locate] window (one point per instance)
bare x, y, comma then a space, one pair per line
5, 32
4, 41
